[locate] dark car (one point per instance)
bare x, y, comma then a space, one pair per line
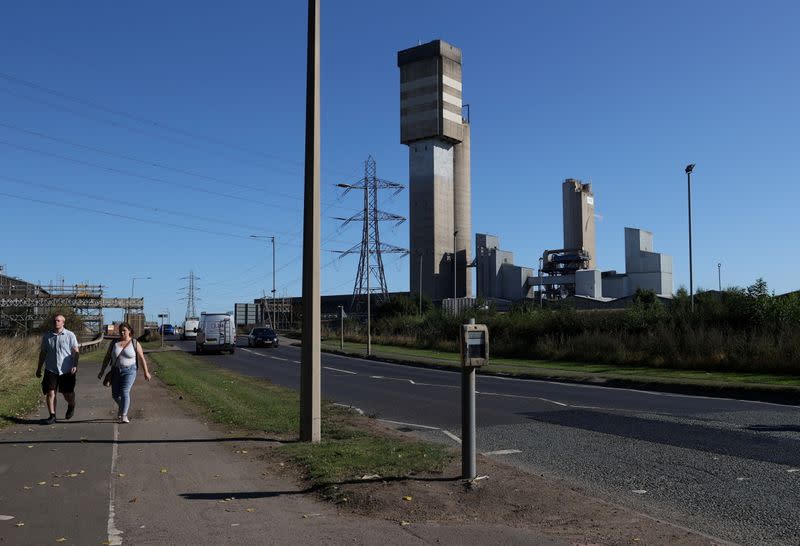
168, 330
262, 336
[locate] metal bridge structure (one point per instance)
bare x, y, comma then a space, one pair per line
24, 306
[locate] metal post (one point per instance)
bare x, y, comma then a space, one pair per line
274, 322
468, 471
369, 306
719, 276
341, 327
455, 273
691, 277
420, 282
310, 407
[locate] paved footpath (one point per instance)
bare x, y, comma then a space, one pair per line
167, 478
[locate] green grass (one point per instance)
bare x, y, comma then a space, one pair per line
227, 397
576, 370
347, 450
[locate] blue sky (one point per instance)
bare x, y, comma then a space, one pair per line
175, 119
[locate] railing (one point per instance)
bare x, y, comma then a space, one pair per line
88, 346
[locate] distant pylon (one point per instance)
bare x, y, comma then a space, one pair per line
191, 297
371, 249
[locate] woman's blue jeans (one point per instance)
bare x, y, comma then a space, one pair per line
121, 384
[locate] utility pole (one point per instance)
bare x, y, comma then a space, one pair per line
341, 327
369, 316
689, 169
719, 276
310, 388
274, 311
420, 282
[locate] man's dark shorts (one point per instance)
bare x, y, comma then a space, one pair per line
52, 381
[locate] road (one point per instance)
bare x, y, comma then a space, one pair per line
728, 468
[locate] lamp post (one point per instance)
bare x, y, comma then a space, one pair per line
541, 294
272, 239
689, 169
719, 276
455, 271
420, 282
133, 285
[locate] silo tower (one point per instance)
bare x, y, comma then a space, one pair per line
438, 139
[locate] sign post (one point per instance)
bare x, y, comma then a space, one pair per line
162, 316
474, 345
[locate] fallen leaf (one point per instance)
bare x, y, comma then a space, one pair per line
73, 475
234, 525
106, 542
407, 498
82, 472
20, 524
370, 476
163, 470
639, 491
26, 486
56, 485
249, 509
121, 475
41, 483
29, 447
244, 451
134, 499
61, 539
405, 523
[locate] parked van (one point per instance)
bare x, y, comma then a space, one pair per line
190, 326
216, 332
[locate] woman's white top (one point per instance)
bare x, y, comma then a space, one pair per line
125, 357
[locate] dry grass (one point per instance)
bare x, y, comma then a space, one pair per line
18, 385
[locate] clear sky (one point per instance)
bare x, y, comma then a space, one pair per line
171, 131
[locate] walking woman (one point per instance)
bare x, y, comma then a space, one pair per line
125, 356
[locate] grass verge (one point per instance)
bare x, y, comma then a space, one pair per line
350, 446
575, 370
19, 387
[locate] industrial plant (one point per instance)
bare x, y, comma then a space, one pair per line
436, 130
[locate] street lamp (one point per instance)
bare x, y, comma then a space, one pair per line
689, 169
455, 273
133, 284
719, 276
271, 238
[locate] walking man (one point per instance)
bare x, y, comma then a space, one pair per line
59, 356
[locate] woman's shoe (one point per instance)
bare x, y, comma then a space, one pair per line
124, 419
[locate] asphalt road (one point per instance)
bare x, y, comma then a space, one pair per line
728, 468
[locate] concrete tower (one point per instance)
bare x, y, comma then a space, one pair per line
440, 213
578, 201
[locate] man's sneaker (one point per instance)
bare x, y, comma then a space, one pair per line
50, 420
70, 412
124, 419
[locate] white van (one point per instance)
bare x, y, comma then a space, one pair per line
190, 326
216, 332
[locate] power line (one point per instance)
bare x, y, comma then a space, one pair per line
150, 122
148, 163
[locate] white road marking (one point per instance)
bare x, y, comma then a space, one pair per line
355, 409
114, 534
793, 470
6, 518
408, 424
296, 361
278, 358
451, 435
639, 491
502, 452
338, 370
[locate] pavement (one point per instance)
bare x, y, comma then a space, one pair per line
167, 477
